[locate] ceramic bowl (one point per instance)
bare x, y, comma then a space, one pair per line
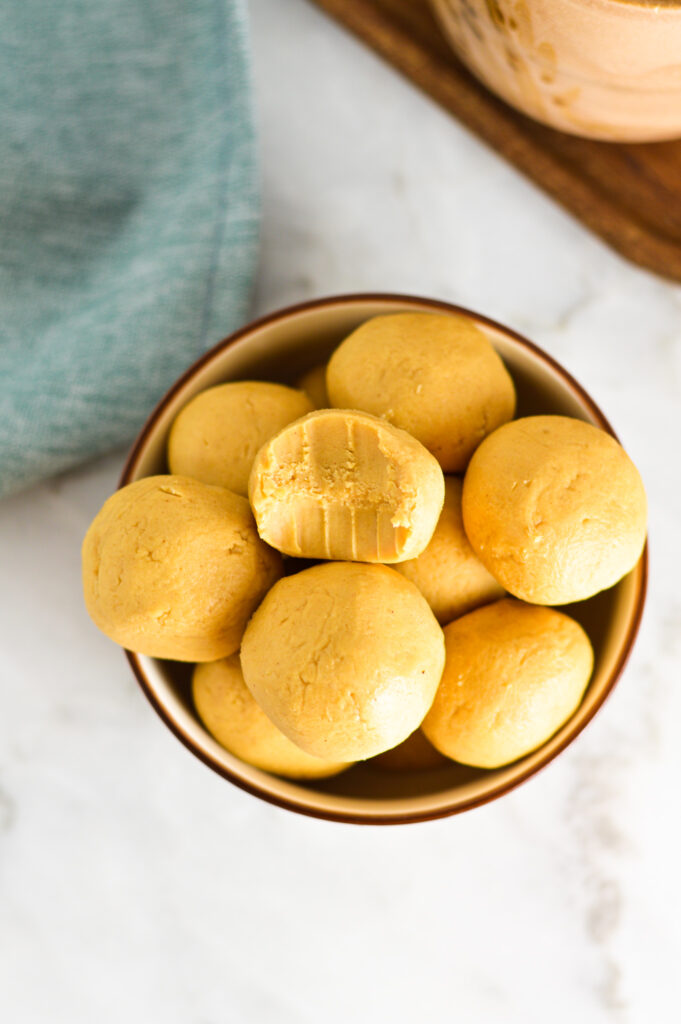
280, 347
604, 69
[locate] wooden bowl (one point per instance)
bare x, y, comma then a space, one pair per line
280, 347
603, 69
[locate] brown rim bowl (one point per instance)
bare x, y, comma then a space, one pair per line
280, 347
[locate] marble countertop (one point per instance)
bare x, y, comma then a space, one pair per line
136, 885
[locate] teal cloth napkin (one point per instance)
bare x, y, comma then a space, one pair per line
128, 214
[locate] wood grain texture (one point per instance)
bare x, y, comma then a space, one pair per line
629, 194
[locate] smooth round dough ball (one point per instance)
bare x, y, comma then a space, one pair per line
226, 707
415, 754
514, 674
344, 658
174, 568
448, 573
218, 434
554, 508
313, 383
345, 485
436, 376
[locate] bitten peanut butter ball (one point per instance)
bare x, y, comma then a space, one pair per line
227, 709
218, 434
436, 376
345, 485
344, 658
514, 674
554, 508
174, 568
448, 573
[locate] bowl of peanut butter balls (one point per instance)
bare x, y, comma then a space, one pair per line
373, 558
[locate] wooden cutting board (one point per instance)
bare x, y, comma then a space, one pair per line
628, 194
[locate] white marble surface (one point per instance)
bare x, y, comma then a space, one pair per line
137, 886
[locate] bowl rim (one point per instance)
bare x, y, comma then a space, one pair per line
396, 817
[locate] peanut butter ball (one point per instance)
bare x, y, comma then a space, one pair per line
415, 754
345, 485
448, 573
174, 568
227, 709
313, 383
219, 432
514, 674
344, 658
436, 376
554, 508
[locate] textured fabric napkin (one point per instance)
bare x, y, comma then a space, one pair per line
128, 214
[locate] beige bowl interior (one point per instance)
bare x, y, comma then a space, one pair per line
279, 348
